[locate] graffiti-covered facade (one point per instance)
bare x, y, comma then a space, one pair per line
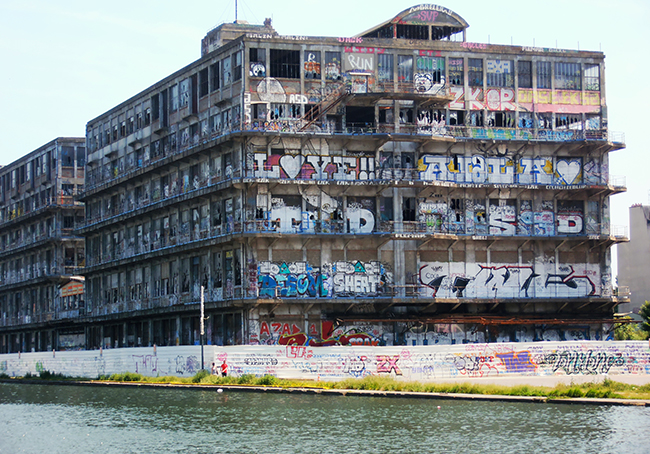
400, 186
41, 256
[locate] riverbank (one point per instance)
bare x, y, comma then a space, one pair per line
599, 391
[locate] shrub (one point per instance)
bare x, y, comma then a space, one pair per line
268, 380
200, 375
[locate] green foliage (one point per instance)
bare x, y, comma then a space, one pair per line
629, 331
47, 375
644, 312
3, 376
246, 379
126, 376
200, 376
268, 380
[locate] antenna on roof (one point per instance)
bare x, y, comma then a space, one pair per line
235, 11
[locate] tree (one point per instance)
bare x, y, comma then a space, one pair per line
644, 312
629, 331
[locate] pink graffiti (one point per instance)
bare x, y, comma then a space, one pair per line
351, 40
386, 364
474, 45
428, 16
365, 50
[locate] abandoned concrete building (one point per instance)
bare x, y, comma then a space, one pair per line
400, 186
41, 290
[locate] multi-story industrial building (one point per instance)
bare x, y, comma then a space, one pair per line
41, 290
401, 186
634, 260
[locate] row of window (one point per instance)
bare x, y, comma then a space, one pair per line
480, 72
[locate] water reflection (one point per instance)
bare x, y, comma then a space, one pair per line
64, 419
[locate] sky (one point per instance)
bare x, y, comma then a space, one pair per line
66, 62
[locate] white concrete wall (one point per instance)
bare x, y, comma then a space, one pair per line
417, 363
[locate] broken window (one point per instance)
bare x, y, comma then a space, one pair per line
567, 76
456, 75
500, 73
456, 117
204, 86
184, 93
592, 77
407, 31
214, 77
333, 65
173, 97
236, 66
257, 58
568, 121
526, 120
544, 120
501, 119
226, 72
312, 64
67, 156
285, 63
385, 67
543, 74
404, 68
525, 74
475, 72
429, 71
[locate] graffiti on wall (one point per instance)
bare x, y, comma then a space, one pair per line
474, 280
333, 280
314, 167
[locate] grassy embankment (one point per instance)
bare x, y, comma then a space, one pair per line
605, 389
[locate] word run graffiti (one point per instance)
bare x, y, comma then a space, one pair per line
500, 170
338, 279
315, 167
473, 280
583, 363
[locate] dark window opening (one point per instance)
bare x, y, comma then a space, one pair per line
475, 72
360, 117
285, 63
456, 75
456, 117
405, 31
214, 77
257, 59
408, 212
543, 74
525, 74
204, 82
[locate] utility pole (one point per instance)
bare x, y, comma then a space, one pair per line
202, 326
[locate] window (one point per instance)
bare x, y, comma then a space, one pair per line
456, 75
155, 107
204, 86
236, 66
226, 72
333, 65
257, 58
499, 73
385, 67
592, 77
184, 95
525, 74
173, 95
431, 69
567, 76
285, 63
214, 77
312, 64
475, 72
568, 121
404, 68
543, 74
67, 156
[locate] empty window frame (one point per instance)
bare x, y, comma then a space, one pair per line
525, 74
404, 68
475, 72
543, 74
385, 67
184, 93
499, 73
285, 63
204, 82
214, 77
236, 66
257, 59
455, 71
226, 72
568, 121
568, 76
592, 77
173, 97
433, 68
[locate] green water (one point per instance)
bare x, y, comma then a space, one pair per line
79, 419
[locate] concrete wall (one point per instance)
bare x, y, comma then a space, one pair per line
419, 363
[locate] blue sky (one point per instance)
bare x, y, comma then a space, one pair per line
66, 62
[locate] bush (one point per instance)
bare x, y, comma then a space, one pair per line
200, 375
268, 380
246, 379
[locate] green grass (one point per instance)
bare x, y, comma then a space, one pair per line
604, 389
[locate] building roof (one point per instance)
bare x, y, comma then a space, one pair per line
444, 22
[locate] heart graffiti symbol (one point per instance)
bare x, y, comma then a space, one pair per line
291, 165
568, 171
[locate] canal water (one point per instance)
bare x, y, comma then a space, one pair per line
82, 419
